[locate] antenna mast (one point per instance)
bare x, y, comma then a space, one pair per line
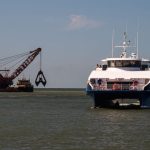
137, 46
112, 44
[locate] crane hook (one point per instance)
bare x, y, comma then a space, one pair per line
40, 78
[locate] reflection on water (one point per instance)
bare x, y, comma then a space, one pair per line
63, 120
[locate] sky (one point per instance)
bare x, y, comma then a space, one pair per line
74, 34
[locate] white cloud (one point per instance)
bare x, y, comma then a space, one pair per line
80, 21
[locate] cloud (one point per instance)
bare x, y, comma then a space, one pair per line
79, 21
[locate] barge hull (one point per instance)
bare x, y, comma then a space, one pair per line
13, 89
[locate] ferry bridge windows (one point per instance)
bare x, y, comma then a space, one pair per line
131, 63
115, 63
124, 63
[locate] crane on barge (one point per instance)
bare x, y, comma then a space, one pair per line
27, 58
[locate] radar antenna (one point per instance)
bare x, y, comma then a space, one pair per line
126, 44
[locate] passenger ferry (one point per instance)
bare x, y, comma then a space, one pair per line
118, 79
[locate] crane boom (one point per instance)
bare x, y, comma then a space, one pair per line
26, 63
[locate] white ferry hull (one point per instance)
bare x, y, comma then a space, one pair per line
126, 77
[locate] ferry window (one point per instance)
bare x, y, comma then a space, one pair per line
118, 63
111, 63
126, 63
144, 67
129, 63
135, 63
92, 81
99, 81
104, 67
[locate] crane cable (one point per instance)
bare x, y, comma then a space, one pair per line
11, 59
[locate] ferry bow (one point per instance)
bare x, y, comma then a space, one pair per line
121, 78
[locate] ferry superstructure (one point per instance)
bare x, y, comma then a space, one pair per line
124, 77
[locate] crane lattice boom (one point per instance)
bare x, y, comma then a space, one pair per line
26, 63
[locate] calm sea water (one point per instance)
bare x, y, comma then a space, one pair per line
63, 120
